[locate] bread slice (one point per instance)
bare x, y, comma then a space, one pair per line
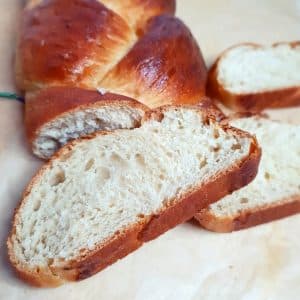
100, 198
275, 192
57, 115
250, 77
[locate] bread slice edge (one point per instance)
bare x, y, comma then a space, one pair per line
249, 218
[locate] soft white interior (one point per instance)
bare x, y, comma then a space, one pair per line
109, 182
279, 171
82, 122
245, 69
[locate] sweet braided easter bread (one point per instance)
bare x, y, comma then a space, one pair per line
81, 64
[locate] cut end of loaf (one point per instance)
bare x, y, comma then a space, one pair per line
82, 122
274, 193
57, 115
109, 188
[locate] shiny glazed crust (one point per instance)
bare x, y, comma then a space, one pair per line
138, 12
134, 12
76, 42
149, 227
63, 42
254, 102
165, 66
83, 43
46, 105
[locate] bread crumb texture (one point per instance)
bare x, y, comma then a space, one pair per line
100, 186
249, 69
278, 177
82, 122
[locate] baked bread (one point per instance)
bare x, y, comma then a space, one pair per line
101, 197
51, 121
274, 193
133, 48
250, 77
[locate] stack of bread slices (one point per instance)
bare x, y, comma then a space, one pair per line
250, 78
128, 173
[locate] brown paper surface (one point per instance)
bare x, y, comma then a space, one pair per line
187, 262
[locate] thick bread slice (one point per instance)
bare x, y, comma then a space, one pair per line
250, 77
57, 115
274, 193
100, 198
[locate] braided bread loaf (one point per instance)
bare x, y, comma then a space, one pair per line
81, 64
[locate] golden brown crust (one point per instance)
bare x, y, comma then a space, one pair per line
65, 42
164, 67
254, 102
49, 104
42, 277
138, 12
149, 227
251, 217
76, 42
114, 249
135, 12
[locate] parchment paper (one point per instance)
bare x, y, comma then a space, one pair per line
187, 262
